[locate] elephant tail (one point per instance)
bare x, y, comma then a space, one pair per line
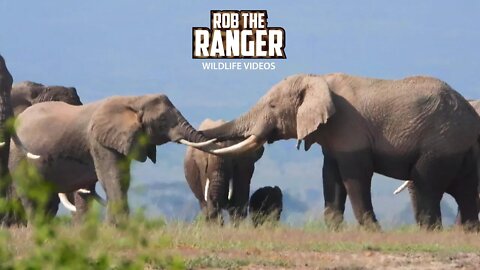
22, 147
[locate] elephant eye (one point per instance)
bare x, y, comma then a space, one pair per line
272, 105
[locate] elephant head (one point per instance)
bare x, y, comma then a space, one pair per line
293, 108
27, 93
121, 121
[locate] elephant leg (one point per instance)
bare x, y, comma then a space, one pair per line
7, 215
5, 180
432, 175
464, 190
334, 193
237, 214
357, 175
51, 207
214, 212
82, 201
113, 172
427, 212
238, 205
44, 211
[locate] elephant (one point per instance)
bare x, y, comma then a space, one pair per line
266, 205
80, 144
209, 176
416, 128
411, 187
25, 94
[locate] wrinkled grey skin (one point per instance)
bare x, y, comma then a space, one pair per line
411, 186
25, 94
199, 166
6, 112
266, 205
416, 128
79, 144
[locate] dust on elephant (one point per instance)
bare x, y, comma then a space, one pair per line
415, 128
266, 205
80, 144
220, 182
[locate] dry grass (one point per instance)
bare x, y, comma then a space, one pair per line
199, 246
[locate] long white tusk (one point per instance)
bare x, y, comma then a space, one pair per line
207, 185
401, 188
230, 189
66, 202
32, 156
251, 143
20, 145
84, 191
201, 144
2, 144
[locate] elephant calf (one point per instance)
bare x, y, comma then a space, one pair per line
220, 182
266, 205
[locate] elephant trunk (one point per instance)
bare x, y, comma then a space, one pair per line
236, 129
215, 195
189, 133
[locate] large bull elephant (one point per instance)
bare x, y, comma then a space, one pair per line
220, 182
415, 128
80, 144
411, 186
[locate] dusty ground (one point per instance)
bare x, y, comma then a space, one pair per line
200, 246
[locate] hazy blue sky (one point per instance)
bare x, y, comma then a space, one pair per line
109, 48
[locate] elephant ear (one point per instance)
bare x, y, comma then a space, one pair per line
116, 125
316, 107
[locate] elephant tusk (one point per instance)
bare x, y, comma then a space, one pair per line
230, 189
63, 198
20, 145
2, 144
32, 156
192, 144
95, 195
249, 144
207, 185
299, 143
401, 188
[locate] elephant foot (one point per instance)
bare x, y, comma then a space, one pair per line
12, 219
370, 223
333, 219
